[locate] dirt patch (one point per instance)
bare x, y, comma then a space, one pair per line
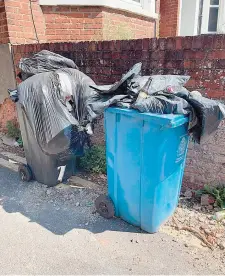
196, 227
16, 150
99, 179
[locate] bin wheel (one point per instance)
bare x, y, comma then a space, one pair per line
105, 206
25, 173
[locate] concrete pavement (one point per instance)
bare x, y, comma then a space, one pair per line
46, 233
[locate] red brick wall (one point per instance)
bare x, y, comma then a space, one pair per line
201, 57
66, 23
7, 113
169, 17
4, 35
123, 25
28, 22
20, 23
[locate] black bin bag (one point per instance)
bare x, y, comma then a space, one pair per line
44, 61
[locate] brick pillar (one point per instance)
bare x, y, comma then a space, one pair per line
169, 17
4, 35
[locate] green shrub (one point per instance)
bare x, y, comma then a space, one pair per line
94, 160
217, 192
13, 130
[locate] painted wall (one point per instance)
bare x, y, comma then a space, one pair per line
7, 77
221, 27
7, 80
189, 17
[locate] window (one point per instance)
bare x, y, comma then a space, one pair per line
213, 15
214, 2
210, 16
134, 2
202, 17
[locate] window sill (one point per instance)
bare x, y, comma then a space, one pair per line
115, 4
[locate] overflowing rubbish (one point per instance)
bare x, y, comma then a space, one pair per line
43, 61
61, 103
56, 105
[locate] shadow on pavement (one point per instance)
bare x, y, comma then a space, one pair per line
54, 215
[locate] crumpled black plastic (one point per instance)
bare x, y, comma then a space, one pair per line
61, 103
44, 61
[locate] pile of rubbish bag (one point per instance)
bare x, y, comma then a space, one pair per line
62, 104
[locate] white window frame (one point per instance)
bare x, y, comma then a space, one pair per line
144, 8
221, 20
185, 16
134, 2
205, 16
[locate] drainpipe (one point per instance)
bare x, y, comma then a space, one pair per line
201, 3
157, 10
155, 29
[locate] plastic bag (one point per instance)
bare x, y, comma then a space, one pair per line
44, 61
62, 105
163, 103
167, 83
45, 98
158, 83
120, 87
209, 113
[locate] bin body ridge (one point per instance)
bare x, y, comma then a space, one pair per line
45, 168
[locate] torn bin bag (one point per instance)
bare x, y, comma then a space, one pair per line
157, 83
44, 61
209, 113
120, 87
45, 99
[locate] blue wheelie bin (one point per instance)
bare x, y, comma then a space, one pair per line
146, 156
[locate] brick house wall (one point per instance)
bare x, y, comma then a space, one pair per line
21, 28
123, 25
28, 22
4, 36
66, 23
169, 18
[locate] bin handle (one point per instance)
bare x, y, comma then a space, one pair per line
178, 122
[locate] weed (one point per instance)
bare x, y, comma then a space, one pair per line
94, 160
13, 131
217, 192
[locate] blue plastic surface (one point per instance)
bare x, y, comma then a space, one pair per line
146, 156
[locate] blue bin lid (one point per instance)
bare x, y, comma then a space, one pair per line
165, 120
